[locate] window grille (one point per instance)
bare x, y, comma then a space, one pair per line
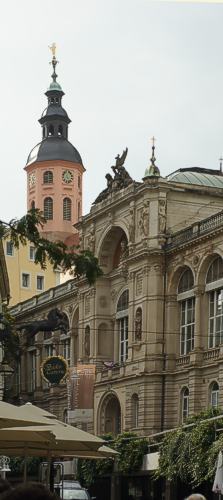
48, 177
48, 208
67, 209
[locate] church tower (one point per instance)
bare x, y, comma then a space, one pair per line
54, 168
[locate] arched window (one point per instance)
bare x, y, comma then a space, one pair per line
66, 209
135, 411
32, 205
48, 208
214, 287
65, 416
184, 404
186, 281
214, 395
51, 130
48, 177
187, 314
122, 321
78, 211
60, 130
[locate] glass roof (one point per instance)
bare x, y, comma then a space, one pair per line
197, 178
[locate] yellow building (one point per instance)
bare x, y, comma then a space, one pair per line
27, 278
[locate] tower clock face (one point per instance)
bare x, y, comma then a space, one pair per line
32, 180
67, 176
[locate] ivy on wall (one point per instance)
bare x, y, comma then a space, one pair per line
128, 460
189, 453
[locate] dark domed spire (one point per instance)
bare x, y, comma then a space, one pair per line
54, 122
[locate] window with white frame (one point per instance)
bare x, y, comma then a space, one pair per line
32, 379
184, 404
25, 280
40, 282
122, 322
9, 248
214, 395
135, 411
214, 287
32, 252
187, 312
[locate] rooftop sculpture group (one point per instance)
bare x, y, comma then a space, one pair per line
120, 180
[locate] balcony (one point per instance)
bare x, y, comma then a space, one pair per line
182, 361
212, 354
198, 229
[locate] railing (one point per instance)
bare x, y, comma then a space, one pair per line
183, 360
58, 291
212, 354
194, 231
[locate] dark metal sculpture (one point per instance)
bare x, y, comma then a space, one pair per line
121, 178
56, 320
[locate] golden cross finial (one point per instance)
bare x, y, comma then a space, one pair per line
53, 49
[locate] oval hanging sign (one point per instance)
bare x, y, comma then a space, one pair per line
54, 369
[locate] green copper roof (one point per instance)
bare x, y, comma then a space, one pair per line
197, 178
152, 171
55, 86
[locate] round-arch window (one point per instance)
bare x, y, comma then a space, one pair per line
215, 271
48, 177
214, 395
51, 130
67, 209
48, 208
123, 302
185, 403
186, 281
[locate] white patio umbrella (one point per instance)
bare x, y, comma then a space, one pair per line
218, 480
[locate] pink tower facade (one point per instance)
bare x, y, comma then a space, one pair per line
54, 169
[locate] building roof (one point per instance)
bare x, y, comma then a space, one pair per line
54, 148
198, 176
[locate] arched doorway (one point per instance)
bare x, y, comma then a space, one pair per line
110, 416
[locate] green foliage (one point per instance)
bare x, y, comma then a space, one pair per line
189, 454
17, 465
130, 457
20, 231
9, 337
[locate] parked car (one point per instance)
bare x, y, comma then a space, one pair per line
72, 490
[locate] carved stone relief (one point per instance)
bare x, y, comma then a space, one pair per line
162, 216
138, 284
103, 301
104, 260
87, 306
131, 225
138, 324
144, 220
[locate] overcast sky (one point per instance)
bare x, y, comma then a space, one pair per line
130, 69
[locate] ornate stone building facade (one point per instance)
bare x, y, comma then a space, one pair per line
153, 323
